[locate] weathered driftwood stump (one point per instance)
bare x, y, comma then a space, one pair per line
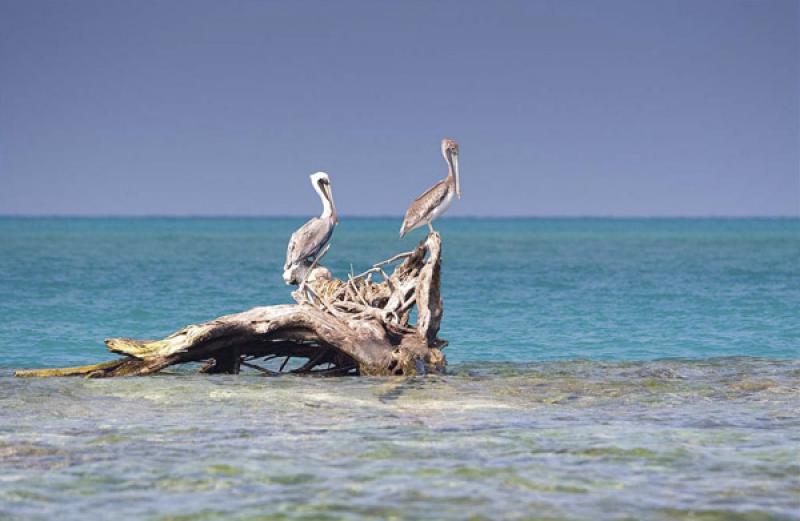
337, 327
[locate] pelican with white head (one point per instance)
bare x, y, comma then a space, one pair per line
309, 240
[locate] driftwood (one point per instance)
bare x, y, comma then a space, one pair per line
337, 327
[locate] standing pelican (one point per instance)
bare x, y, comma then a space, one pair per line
437, 199
309, 240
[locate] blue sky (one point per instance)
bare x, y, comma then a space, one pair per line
621, 108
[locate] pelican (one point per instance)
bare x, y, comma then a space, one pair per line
309, 240
438, 198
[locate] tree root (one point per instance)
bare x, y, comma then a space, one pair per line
352, 327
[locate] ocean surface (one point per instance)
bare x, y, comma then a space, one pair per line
599, 369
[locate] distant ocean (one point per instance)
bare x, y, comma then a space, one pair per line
601, 369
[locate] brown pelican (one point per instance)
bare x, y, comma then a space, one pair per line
309, 240
437, 199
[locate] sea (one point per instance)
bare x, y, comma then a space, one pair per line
598, 369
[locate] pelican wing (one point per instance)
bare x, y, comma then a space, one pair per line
423, 205
308, 240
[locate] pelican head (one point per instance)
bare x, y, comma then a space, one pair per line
322, 184
450, 153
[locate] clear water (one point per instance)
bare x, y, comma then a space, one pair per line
612, 369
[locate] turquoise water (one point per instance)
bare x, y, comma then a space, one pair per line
515, 290
600, 369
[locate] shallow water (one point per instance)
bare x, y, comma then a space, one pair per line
559, 405
623, 440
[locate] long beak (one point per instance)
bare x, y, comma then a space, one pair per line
454, 159
329, 195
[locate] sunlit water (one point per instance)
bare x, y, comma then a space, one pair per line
600, 369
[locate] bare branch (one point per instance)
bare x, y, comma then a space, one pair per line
354, 325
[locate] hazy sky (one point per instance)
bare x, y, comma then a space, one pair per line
561, 107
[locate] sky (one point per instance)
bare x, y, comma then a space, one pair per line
561, 108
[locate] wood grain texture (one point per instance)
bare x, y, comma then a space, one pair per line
339, 327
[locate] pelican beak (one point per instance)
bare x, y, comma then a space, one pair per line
454, 159
329, 195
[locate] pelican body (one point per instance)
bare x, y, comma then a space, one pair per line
309, 240
433, 203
